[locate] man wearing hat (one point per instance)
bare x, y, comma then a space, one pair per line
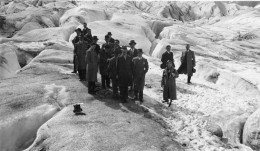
74, 41
104, 56
168, 55
88, 36
124, 72
92, 64
109, 36
140, 68
80, 51
112, 70
116, 47
188, 63
132, 51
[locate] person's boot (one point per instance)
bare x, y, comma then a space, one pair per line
170, 103
188, 80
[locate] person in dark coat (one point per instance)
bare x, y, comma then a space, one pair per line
109, 36
92, 61
188, 63
112, 70
74, 41
80, 51
168, 83
168, 55
132, 52
125, 72
85, 29
88, 36
140, 68
116, 47
104, 56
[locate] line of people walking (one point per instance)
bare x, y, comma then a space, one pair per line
125, 68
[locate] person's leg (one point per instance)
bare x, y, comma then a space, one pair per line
189, 78
84, 75
141, 96
80, 74
89, 86
126, 93
93, 87
103, 79
108, 81
74, 64
136, 94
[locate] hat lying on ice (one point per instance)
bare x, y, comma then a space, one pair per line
132, 42
95, 38
77, 108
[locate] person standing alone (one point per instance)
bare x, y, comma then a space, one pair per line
188, 63
140, 68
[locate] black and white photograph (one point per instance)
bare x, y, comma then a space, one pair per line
121, 75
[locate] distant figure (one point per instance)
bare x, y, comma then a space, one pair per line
112, 70
80, 51
168, 83
132, 52
168, 55
92, 61
109, 36
85, 29
124, 72
188, 63
104, 56
116, 47
88, 36
140, 68
74, 41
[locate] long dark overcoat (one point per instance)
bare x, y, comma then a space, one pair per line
92, 60
80, 51
125, 71
188, 62
140, 68
169, 84
104, 56
112, 67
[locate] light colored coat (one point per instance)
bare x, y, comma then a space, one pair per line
92, 60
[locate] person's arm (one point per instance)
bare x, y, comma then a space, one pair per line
162, 82
146, 66
162, 59
193, 59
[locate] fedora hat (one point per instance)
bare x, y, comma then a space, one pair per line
132, 42
109, 33
77, 108
95, 38
140, 51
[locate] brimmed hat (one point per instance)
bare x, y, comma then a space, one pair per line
124, 48
109, 33
95, 38
132, 42
78, 29
117, 40
77, 108
140, 51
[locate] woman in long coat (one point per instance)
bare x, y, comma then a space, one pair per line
92, 60
168, 83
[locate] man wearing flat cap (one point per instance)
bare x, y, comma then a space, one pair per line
140, 68
74, 41
124, 72
104, 56
92, 61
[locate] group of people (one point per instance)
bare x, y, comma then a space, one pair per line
126, 68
